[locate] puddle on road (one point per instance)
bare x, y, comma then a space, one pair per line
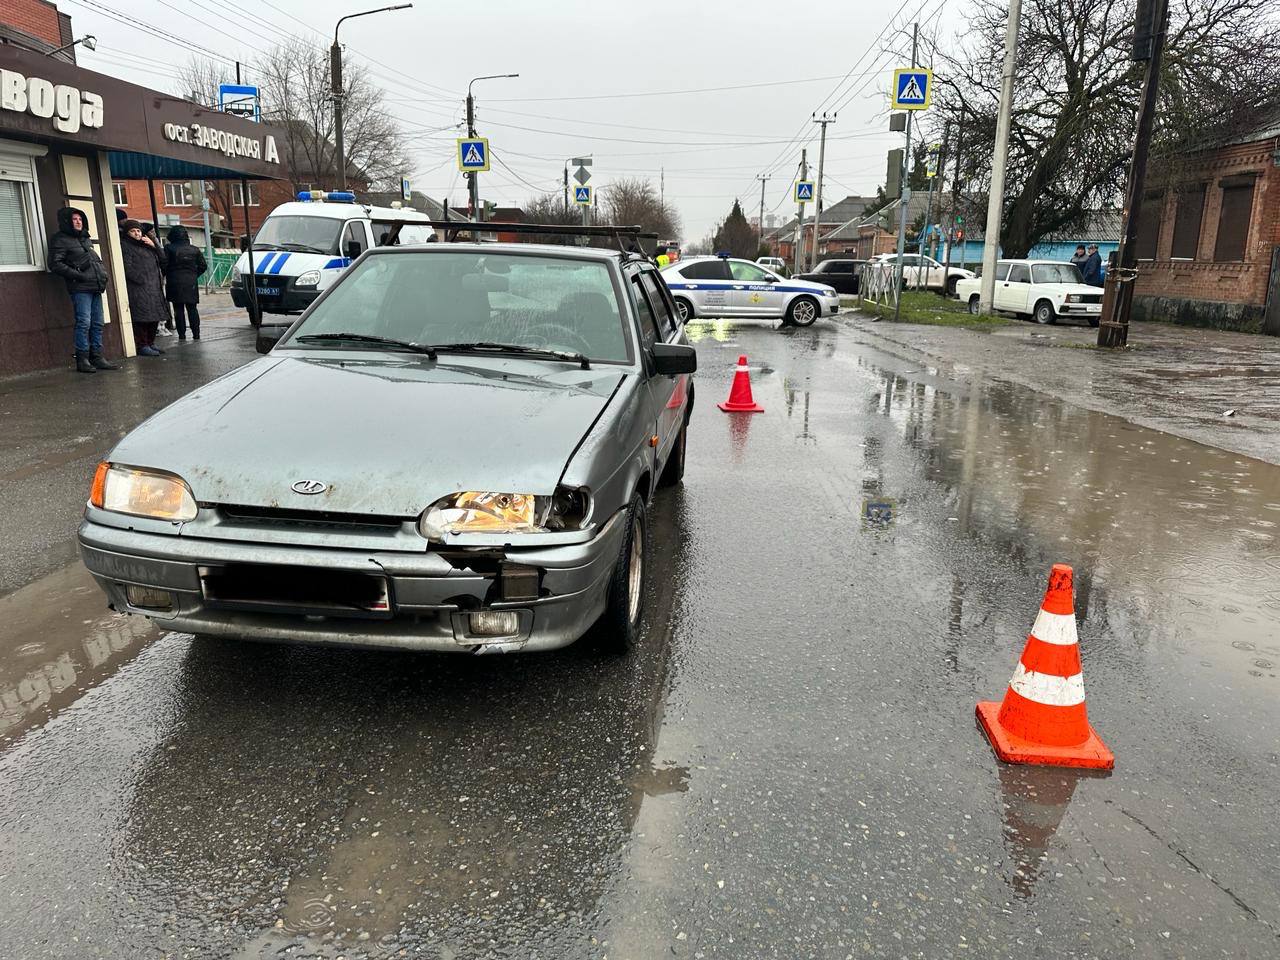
57, 639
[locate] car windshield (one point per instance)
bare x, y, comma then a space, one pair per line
465, 297
1055, 273
314, 234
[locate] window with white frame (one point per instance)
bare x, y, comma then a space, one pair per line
121, 192
21, 240
237, 194
177, 194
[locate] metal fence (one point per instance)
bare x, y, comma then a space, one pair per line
219, 275
878, 282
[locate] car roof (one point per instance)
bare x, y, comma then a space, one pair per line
599, 254
334, 210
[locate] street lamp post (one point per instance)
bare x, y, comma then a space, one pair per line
473, 178
89, 40
335, 81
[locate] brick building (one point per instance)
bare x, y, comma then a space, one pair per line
1209, 241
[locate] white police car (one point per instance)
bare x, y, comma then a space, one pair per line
728, 287
302, 247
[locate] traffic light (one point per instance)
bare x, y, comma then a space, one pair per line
893, 175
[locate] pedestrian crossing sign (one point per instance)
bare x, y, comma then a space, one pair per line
473, 155
912, 88
582, 195
804, 191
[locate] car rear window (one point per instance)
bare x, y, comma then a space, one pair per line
1056, 273
440, 297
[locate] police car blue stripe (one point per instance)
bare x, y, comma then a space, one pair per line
337, 263
263, 265
278, 263
727, 285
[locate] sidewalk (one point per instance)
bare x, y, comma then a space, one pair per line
1180, 380
55, 425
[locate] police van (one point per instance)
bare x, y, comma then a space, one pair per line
303, 246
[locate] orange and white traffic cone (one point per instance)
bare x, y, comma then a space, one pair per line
1042, 718
740, 399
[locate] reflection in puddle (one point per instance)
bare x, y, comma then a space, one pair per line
1033, 802
57, 639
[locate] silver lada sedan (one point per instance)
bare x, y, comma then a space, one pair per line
454, 448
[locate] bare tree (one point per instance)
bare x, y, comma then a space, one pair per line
1074, 113
294, 82
634, 201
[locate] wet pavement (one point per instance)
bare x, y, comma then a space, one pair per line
1213, 386
788, 766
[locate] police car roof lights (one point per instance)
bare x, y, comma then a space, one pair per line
332, 196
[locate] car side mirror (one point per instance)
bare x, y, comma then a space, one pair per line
269, 335
671, 359
352, 250
244, 242
770, 279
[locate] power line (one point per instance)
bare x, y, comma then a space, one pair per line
664, 93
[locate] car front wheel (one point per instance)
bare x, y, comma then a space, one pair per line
975, 304
802, 311
619, 626
1044, 313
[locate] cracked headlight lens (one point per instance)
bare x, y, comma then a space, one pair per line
473, 511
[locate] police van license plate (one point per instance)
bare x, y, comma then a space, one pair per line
268, 291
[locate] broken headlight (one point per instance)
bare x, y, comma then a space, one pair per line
141, 493
473, 511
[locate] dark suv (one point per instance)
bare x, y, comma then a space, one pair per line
840, 274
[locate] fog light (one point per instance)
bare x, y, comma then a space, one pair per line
495, 623
149, 598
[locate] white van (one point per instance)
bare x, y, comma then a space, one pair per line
302, 247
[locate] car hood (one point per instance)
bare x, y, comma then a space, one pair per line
796, 284
1065, 288
388, 436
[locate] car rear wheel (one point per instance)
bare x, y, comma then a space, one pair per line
951, 286
802, 311
673, 471
619, 626
1044, 313
975, 304
1093, 321
684, 309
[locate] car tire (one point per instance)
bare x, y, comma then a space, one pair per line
1093, 321
673, 470
255, 317
619, 625
1044, 314
951, 286
975, 304
684, 310
802, 312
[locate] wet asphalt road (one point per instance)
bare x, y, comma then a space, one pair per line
787, 767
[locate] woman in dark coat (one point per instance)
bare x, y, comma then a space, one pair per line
143, 264
182, 275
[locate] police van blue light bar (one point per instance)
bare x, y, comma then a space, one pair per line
333, 196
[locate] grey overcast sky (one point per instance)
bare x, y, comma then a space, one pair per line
702, 95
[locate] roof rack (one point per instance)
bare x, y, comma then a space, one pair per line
617, 233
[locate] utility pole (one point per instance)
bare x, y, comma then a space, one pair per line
763, 180
942, 178
922, 248
335, 83
995, 202
905, 200
817, 197
955, 189
473, 179
566, 191
796, 266
1113, 329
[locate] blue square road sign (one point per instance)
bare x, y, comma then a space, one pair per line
582, 195
912, 88
804, 191
473, 155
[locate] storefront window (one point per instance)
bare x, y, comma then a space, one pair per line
15, 224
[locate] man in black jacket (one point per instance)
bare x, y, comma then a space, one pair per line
72, 257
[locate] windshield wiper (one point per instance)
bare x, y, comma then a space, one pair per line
429, 350
489, 346
302, 247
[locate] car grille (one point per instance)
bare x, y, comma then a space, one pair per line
273, 282
1091, 298
280, 516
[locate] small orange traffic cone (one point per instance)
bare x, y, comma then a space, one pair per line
1042, 719
740, 399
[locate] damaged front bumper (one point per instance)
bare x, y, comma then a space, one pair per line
428, 599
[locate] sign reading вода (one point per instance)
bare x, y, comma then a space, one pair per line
68, 107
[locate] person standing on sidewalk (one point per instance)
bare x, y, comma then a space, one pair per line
182, 280
1080, 258
72, 257
144, 262
1092, 269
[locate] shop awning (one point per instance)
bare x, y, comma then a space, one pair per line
144, 166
